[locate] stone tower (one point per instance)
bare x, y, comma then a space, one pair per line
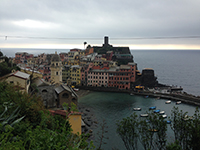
56, 69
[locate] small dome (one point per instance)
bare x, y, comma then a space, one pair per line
55, 57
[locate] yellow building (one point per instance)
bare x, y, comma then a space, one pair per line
75, 75
75, 122
72, 54
32, 61
20, 79
74, 119
72, 62
82, 53
98, 62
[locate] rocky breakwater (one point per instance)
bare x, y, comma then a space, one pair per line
89, 121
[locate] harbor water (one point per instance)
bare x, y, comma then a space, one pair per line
179, 68
113, 107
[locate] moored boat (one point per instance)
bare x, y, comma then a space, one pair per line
168, 122
144, 115
178, 102
75, 89
186, 117
167, 102
153, 107
164, 116
157, 111
153, 130
161, 112
137, 109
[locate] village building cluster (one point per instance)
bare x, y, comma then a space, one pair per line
82, 67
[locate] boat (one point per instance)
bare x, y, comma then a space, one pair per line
168, 122
153, 107
157, 111
153, 130
144, 115
147, 121
161, 112
167, 102
75, 89
186, 117
158, 98
137, 109
146, 96
178, 102
164, 116
131, 94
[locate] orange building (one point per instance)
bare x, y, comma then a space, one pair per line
74, 119
89, 50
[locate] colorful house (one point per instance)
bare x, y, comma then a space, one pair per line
74, 119
19, 79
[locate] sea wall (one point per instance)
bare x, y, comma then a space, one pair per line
183, 97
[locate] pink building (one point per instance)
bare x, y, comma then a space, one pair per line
84, 73
98, 76
122, 76
21, 57
42, 58
63, 56
133, 71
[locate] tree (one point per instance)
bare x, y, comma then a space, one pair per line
173, 146
38, 129
150, 132
1, 54
179, 126
128, 131
101, 134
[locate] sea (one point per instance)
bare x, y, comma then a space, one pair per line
171, 67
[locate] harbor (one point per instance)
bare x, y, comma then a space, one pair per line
113, 106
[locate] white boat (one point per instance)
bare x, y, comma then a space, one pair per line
144, 115
178, 102
137, 109
167, 102
164, 116
161, 112
75, 89
131, 94
186, 117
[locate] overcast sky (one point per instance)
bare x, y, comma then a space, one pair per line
69, 23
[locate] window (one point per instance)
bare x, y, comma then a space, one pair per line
11, 82
65, 95
44, 91
56, 73
28, 81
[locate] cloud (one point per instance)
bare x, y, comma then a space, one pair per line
94, 18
